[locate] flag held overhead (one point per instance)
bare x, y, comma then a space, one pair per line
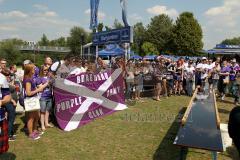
94, 14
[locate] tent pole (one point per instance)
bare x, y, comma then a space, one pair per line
126, 54
129, 50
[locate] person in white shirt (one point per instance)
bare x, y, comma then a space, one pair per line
211, 65
61, 68
202, 68
77, 67
189, 72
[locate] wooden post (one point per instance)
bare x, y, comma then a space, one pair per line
184, 119
216, 110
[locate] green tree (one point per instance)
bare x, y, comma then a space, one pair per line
117, 24
159, 31
61, 42
149, 49
232, 41
139, 34
9, 51
107, 28
78, 37
100, 27
44, 41
187, 35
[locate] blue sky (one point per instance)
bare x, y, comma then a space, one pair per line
29, 19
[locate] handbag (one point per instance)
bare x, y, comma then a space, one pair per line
32, 104
226, 80
169, 76
147, 77
158, 77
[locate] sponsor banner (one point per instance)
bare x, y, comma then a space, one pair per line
224, 46
115, 36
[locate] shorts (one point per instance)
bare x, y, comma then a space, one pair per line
210, 80
45, 105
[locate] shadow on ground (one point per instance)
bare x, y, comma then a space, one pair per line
166, 149
225, 111
233, 153
7, 156
16, 126
225, 101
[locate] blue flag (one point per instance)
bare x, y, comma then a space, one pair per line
94, 14
124, 12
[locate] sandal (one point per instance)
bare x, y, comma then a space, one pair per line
49, 126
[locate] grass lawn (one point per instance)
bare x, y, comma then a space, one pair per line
145, 131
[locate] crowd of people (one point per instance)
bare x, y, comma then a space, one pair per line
19, 84
163, 76
181, 77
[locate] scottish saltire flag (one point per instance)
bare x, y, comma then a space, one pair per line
94, 14
79, 99
124, 12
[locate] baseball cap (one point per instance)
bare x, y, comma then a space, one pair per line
27, 62
204, 58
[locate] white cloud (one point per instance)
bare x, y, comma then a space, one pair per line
47, 14
156, 10
226, 15
41, 7
50, 14
13, 14
31, 26
7, 28
101, 15
222, 22
229, 8
135, 17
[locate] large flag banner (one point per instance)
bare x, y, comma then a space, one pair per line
124, 12
94, 14
80, 99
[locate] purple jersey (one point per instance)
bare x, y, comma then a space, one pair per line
47, 92
236, 68
225, 69
36, 72
32, 82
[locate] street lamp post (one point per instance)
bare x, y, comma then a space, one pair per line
35, 51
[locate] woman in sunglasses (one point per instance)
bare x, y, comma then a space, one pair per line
46, 99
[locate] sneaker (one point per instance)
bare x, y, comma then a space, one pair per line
11, 138
49, 126
34, 136
223, 98
39, 133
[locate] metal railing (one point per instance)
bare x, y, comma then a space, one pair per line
44, 48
